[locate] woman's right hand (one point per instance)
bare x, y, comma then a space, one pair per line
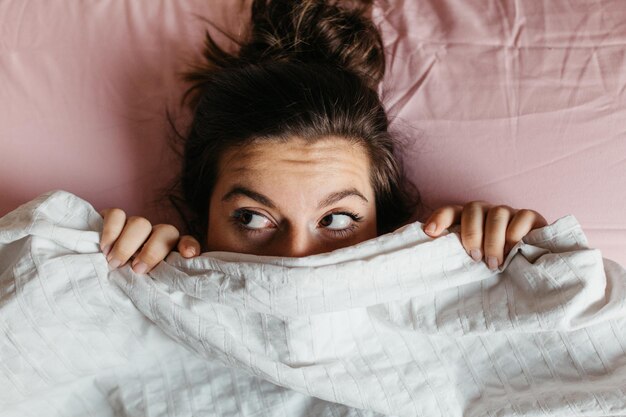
122, 238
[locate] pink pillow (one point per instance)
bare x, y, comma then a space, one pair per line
516, 103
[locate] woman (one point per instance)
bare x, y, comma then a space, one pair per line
289, 153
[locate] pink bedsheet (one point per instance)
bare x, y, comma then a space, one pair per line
517, 103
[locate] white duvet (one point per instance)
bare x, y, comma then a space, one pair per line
402, 325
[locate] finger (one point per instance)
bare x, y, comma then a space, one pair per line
522, 222
496, 225
114, 220
188, 246
161, 242
472, 226
442, 218
133, 236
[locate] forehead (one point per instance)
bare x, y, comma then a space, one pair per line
327, 157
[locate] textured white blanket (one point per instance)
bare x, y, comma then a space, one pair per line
400, 325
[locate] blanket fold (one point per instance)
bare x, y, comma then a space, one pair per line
401, 325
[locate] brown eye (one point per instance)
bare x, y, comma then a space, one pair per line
245, 217
252, 220
336, 221
326, 220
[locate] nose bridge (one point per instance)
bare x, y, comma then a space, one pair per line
298, 243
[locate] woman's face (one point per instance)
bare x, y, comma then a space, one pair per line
292, 199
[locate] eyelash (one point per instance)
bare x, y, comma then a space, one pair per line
347, 231
234, 218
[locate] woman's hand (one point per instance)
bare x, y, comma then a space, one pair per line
123, 238
485, 228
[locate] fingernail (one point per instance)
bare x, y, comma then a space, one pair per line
476, 254
431, 228
114, 263
492, 261
191, 251
106, 250
140, 268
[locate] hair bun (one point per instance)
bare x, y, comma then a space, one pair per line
319, 31
308, 31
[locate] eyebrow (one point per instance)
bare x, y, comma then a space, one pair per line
330, 198
241, 190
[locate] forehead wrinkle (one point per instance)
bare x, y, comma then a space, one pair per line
306, 151
244, 166
335, 157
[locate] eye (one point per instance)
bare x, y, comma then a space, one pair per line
251, 220
339, 221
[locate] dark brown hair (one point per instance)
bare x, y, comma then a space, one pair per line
307, 69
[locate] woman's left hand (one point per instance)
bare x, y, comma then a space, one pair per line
485, 228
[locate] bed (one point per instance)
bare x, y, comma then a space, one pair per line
517, 103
